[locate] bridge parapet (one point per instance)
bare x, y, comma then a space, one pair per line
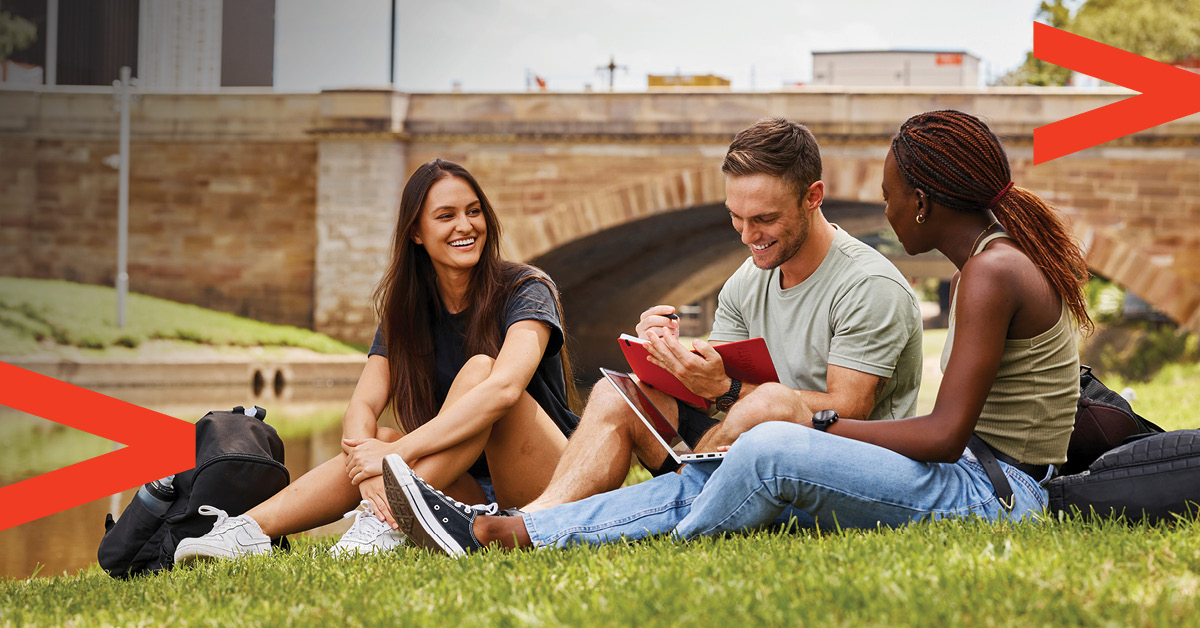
280, 206
831, 113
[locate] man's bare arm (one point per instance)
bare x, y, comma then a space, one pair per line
853, 394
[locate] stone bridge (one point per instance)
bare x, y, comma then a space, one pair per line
280, 206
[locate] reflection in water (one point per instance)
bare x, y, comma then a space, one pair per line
308, 419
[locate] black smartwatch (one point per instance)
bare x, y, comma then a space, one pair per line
724, 402
823, 419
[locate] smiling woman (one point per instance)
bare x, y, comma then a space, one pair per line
470, 354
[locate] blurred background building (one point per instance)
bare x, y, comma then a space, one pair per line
899, 68
667, 81
186, 45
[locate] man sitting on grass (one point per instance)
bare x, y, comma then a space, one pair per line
841, 323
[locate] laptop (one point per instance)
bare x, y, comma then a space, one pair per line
663, 431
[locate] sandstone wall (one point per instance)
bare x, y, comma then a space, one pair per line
222, 211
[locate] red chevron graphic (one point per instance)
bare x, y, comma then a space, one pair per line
1167, 93
156, 445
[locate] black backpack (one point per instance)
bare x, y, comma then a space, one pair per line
1152, 478
239, 464
1103, 420
1120, 464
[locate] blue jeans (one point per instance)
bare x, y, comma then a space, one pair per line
778, 471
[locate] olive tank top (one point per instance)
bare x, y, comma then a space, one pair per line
1030, 410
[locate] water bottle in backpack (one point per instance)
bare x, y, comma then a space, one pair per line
157, 496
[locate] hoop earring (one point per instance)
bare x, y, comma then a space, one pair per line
920, 219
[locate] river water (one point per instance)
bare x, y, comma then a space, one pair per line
309, 419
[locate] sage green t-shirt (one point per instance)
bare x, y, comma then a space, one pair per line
856, 311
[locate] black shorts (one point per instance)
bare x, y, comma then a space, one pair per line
693, 424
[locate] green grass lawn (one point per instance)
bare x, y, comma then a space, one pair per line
1042, 573
36, 312
938, 574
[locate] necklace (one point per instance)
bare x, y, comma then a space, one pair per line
980, 237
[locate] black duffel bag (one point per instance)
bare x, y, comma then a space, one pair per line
1153, 478
239, 464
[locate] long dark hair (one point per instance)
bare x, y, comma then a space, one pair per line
959, 163
407, 300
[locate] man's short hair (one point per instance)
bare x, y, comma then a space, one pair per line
778, 147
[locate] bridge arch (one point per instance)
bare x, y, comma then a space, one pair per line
533, 235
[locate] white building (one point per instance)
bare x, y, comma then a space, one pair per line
179, 44
184, 45
896, 68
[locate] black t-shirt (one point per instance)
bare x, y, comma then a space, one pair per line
532, 300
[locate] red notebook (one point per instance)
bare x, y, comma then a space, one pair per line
745, 360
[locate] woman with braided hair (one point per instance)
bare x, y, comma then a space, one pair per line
1003, 414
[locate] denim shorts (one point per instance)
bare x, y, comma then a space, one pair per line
489, 492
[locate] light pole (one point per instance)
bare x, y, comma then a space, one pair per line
123, 91
392, 49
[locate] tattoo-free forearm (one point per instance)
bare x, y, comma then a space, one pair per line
817, 401
359, 421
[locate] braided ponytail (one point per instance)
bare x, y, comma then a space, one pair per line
960, 164
1037, 229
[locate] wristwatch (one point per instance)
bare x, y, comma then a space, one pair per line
823, 419
724, 402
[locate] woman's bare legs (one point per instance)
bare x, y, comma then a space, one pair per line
523, 445
525, 439
316, 498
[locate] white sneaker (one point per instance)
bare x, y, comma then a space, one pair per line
368, 534
231, 537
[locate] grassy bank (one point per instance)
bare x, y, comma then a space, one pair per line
940, 574
38, 315
1052, 573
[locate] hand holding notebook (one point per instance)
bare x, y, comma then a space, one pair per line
745, 360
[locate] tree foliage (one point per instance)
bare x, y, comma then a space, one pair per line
16, 33
1164, 30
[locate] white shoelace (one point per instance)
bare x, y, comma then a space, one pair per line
489, 509
365, 527
224, 521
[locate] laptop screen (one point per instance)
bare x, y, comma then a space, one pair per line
641, 403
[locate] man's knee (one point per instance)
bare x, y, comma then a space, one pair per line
605, 406
769, 402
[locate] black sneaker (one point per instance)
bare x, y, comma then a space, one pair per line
427, 516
